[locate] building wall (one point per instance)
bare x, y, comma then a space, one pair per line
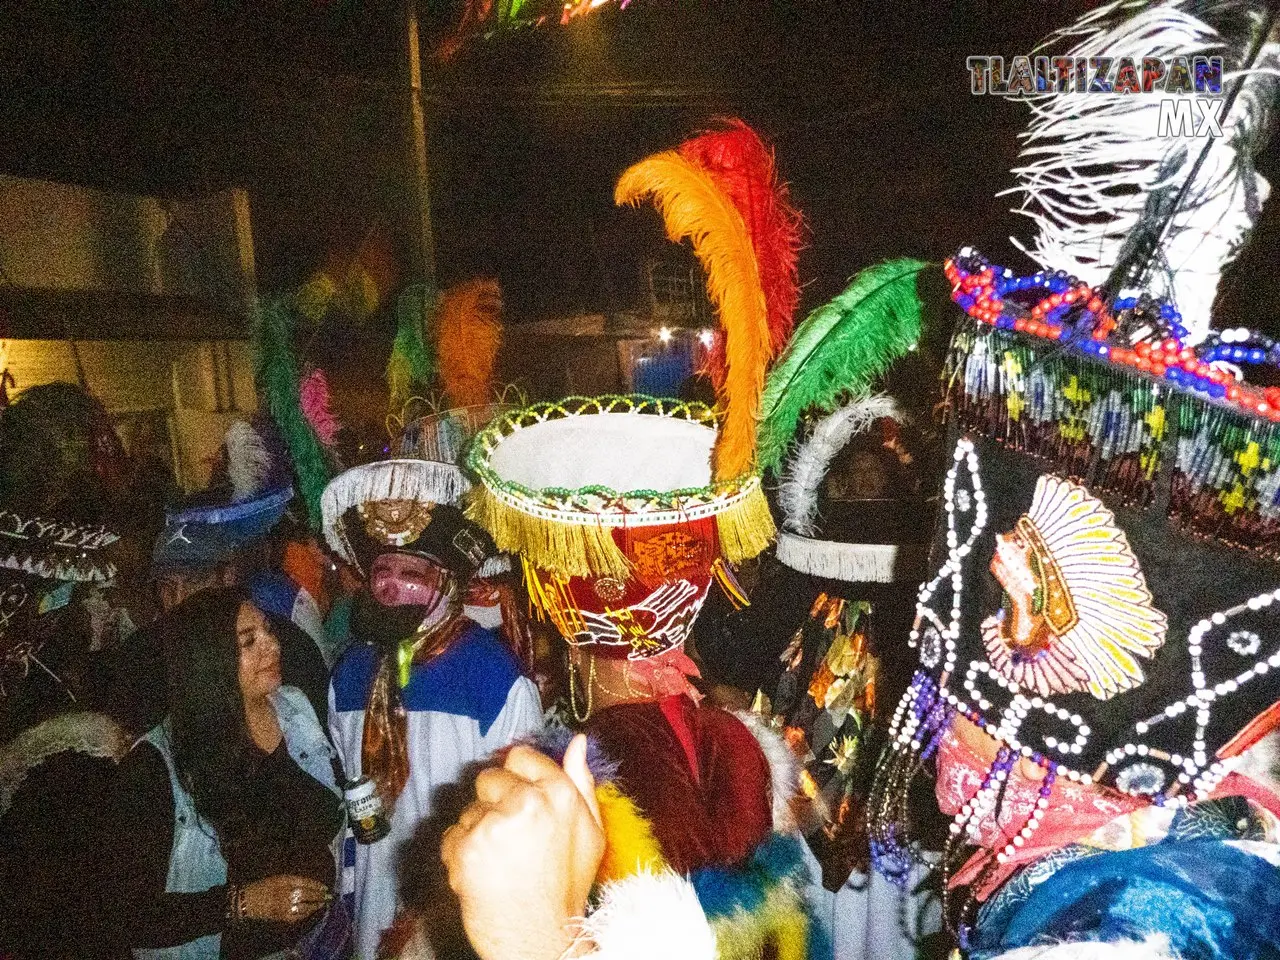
177, 397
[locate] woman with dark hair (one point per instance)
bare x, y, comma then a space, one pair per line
227, 816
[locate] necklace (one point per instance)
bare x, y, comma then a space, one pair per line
631, 694
573, 692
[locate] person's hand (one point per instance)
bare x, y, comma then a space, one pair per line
284, 898
522, 859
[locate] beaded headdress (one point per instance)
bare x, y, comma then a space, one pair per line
1101, 613
404, 506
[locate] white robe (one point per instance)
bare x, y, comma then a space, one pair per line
460, 707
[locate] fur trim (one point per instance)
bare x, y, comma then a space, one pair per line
648, 916
1153, 948
630, 846
798, 492
92, 734
784, 770
555, 740
833, 560
421, 480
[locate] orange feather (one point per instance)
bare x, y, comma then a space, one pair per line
469, 333
694, 208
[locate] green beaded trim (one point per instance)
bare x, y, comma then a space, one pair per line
596, 502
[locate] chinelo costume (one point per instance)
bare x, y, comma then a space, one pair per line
855, 521
623, 510
1098, 690
58, 753
411, 708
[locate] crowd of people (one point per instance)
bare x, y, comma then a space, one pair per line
313, 711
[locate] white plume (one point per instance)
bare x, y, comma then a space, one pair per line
798, 492
648, 915
1094, 164
1153, 948
248, 460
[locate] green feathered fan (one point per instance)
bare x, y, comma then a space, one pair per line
839, 350
412, 363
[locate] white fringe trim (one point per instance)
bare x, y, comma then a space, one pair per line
798, 492
92, 734
423, 480
649, 916
784, 769
1153, 948
495, 566
849, 562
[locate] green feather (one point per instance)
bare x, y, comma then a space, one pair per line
412, 364
278, 378
840, 349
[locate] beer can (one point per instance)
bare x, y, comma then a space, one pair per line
364, 810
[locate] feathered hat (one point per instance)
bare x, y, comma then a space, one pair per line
404, 506
1102, 608
624, 508
248, 496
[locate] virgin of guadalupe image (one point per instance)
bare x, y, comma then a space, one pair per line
1076, 614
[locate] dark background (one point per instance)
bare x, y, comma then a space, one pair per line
303, 102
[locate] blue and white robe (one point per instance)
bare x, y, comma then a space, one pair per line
461, 706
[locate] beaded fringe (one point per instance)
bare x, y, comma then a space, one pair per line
1114, 430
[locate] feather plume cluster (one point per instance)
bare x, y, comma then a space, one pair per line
248, 461
742, 166
693, 207
469, 333
840, 349
279, 382
411, 364
1095, 169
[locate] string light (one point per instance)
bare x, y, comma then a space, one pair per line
664, 334
707, 338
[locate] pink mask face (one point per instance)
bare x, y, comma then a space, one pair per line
400, 580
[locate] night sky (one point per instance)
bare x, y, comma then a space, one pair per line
867, 104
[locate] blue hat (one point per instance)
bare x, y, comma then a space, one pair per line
201, 537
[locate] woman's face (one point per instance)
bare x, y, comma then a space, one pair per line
259, 654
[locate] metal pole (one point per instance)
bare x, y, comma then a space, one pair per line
423, 244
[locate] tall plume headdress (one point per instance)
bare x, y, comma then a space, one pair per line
1118, 201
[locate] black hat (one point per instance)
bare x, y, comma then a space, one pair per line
406, 506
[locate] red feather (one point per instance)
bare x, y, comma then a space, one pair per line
742, 166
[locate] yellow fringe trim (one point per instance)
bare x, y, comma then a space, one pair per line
549, 599
588, 550
630, 846
746, 528
780, 921
570, 550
